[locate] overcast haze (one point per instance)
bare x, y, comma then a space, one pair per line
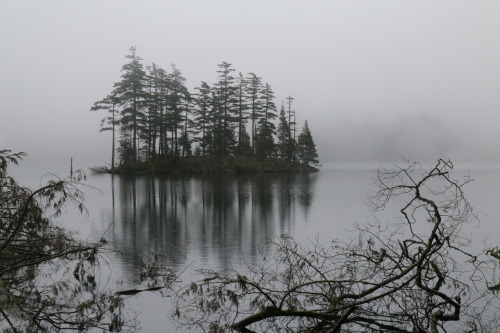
376, 80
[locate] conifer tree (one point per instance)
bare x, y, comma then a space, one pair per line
154, 104
225, 105
306, 148
284, 141
254, 92
130, 93
203, 118
124, 148
243, 146
111, 121
159, 118
176, 102
164, 92
266, 128
187, 132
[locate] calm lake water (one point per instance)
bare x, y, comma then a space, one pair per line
217, 221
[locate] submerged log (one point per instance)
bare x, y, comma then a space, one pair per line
136, 291
99, 169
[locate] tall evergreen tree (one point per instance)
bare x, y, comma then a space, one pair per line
284, 144
266, 128
153, 105
188, 129
254, 92
124, 149
158, 116
176, 102
306, 148
164, 86
203, 117
130, 92
243, 147
226, 107
111, 121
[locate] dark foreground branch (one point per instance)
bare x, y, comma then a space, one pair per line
391, 277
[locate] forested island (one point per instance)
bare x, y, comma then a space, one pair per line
232, 126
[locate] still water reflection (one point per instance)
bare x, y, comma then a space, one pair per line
218, 220
198, 222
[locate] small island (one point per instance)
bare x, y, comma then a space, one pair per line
209, 165
231, 126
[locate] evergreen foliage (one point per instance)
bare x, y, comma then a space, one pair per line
285, 144
131, 96
111, 121
306, 148
157, 117
265, 146
203, 116
242, 115
254, 90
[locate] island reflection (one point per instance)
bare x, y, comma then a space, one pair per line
216, 221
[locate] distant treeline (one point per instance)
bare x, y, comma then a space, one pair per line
156, 117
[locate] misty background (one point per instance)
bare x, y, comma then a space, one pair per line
376, 80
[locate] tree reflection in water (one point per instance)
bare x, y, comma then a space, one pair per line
214, 220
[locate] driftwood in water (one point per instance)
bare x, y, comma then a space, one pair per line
99, 169
136, 291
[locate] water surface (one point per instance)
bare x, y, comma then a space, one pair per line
223, 220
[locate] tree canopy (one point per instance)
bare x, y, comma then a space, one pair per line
306, 148
157, 117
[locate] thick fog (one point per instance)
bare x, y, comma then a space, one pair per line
377, 80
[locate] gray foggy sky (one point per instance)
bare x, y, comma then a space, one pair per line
377, 80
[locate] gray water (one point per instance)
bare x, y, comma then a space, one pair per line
219, 221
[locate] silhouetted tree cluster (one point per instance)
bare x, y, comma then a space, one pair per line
156, 116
